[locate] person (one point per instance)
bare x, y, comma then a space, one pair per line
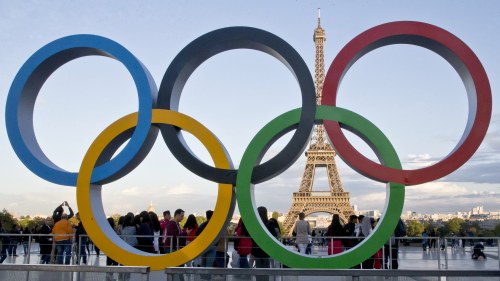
25, 239
145, 233
432, 244
208, 257
424, 240
119, 225
59, 211
63, 235
221, 257
4, 242
81, 240
276, 224
349, 231
377, 257
365, 230
174, 232
45, 240
478, 253
190, 227
302, 231
109, 260
391, 247
273, 221
163, 224
335, 229
155, 224
262, 259
14, 240
245, 248
129, 230
128, 235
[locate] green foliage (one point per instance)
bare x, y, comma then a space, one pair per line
200, 219
497, 230
7, 220
36, 223
23, 221
455, 226
414, 228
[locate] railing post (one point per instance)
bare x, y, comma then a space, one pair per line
498, 248
389, 263
29, 249
383, 255
439, 252
445, 252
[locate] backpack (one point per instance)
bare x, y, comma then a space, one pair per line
400, 230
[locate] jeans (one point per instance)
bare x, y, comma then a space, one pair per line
244, 262
63, 248
83, 253
25, 247
208, 258
45, 259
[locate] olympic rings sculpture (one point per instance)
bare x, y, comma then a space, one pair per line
158, 112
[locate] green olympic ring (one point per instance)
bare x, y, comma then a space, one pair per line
246, 201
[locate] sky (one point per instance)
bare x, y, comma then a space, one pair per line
413, 95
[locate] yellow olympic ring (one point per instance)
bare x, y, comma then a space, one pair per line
90, 202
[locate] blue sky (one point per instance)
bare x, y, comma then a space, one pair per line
412, 94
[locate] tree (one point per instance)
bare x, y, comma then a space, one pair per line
455, 226
36, 223
24, 220
414, 228
497, 229
7, 220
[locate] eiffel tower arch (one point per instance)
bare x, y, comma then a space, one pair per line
320, 154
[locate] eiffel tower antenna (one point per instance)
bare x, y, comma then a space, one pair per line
319, 155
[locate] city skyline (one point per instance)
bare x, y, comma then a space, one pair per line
411, 94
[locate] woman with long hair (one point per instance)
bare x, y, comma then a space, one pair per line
145, 233
335, 230
155, 224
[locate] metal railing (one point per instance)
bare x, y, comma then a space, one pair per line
183, 273
448, 253
14, 272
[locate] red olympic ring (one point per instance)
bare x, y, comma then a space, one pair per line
448, 46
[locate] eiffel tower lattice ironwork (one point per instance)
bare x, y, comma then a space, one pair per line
320, 154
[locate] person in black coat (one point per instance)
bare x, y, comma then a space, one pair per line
46, 241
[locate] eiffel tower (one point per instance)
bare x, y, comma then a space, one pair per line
320, 154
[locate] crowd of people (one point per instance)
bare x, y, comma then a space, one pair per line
340, 237
60, 241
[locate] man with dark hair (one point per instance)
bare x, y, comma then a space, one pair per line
207, 258
46, 240
173, 230
163, 225
262, 259
81, 240
57, 214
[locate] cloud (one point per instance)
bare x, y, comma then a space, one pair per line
181, 189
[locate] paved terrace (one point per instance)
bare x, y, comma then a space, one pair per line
410, 258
